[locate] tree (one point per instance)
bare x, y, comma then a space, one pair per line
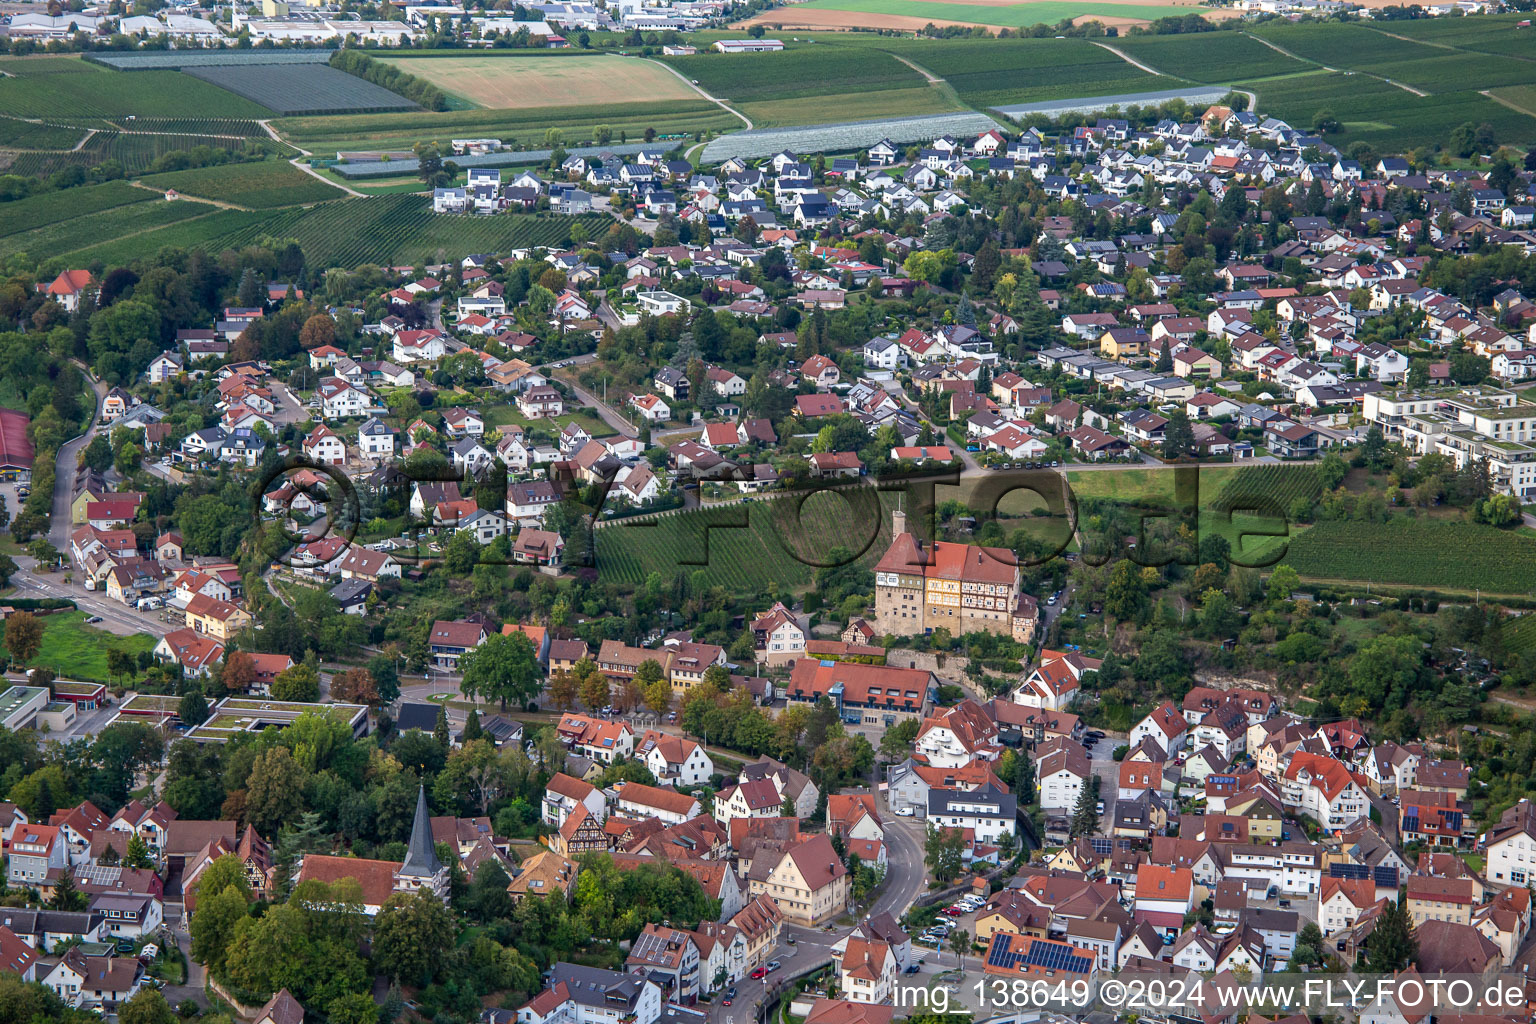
193, 707
1283, 582
274, 791
298, 683
658, 695
226, 871
1178, 436
239, 672
213, 925
353, 1008
564, 690
147, 1006
23, 636
1392, 945
440, 728
411, 936
355, 686
595, 690
1125, 594
65, 895
1085, 816
897, 742
943, 853
137, 853
472, 730
960, 944
503, 668
318, 330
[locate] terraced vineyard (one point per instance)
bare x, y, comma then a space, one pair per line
402, 229
70, 236
267, 184
51, 207
193, 126
1420, 552
989, 72
1268, 487
749, 546
135, 152
19, 134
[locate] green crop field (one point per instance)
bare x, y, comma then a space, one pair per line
263, 185
193, 126
1270, 486
1522, 96
1419, 552
525, 127
1496, 34
68, 236
18, 134
87, 90
389, 229
987, 72
1383, 115
747, 547
135, 152
201, 232
52, 207
857, 106
809, 71
1023, 15
1210, 56
1520, 632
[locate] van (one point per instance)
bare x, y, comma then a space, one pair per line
148, 603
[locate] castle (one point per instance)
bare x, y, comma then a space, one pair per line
961, 587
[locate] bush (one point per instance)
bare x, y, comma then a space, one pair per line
417, 90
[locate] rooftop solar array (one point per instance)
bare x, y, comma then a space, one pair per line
1050, 956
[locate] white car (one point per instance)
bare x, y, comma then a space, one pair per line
905, 812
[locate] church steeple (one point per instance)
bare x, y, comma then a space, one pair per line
420, 855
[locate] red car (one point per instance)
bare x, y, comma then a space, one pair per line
761, 972
954, 911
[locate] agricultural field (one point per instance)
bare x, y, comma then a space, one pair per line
1210, 57
1383, 115
858, 106
748, 546
499, 82
64, 237
51, 207
913, 14
1271, 486
1522, 97
1489, 34
990, 72
298, 88
18, 134
1439, 554
524, 127
803, 72
239, 127
202, 232
1520, 632
135, 152
402, 229
263, 185
80, 89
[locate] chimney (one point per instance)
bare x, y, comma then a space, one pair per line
898, 523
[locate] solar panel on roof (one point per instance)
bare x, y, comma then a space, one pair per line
1102, 845
1386, 876
1338, 870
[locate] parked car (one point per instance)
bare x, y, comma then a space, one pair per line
773, 965
761, 972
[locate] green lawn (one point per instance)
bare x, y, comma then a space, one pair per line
508, 415
77, 651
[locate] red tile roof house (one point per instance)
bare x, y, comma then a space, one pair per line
450, 640
69, 287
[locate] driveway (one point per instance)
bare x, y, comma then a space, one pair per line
65, 469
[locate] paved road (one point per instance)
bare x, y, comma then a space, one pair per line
116, 618
905, 878
65, 469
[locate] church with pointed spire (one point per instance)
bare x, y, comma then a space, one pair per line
421, 870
